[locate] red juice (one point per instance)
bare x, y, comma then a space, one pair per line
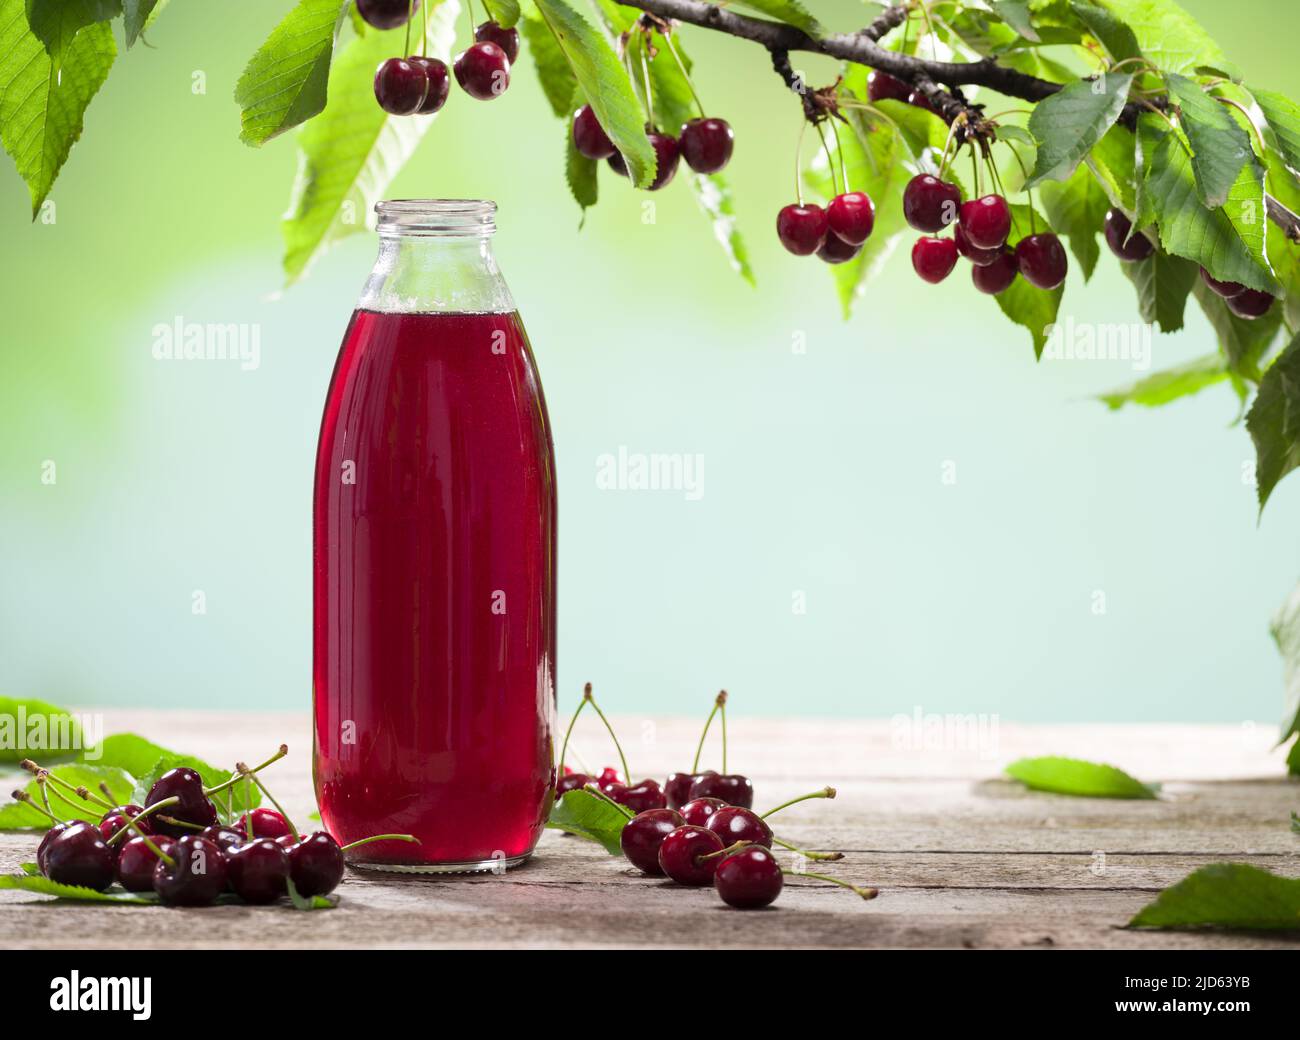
434, 644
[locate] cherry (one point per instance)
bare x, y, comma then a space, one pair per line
706, 144
608, 775
257, 870
644, 833
834, 250
645, 795
1042, 260
77, 855
666, 156
136, 861
385, 14
267, 823
986, 221
851, 216
589, 136
571, 783
930, 204
192, 806
226, 838
882, 86
400, 86
116, 819
919, 100
316, 864
435, 71
996, 277
1128, 249
1225, 289
482, 70
44, 846
1250, 304
678, 787
197, 875
506, 39
618, 164
802, 228
697, 811
731, 823
934, 258
682, 855
978, 257
748, 879
733, 789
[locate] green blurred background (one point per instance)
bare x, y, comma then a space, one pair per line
822, 470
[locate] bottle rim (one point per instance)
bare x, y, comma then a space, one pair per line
450, 217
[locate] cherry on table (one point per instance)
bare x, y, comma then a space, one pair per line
930, 204
1225, 289
882, 86
986, 221
749, 878
731, 788
224, 837
996, 277
116, 820
136, 861
385, 14
589, 137
682, 852
731, 823
644, 833
638, 797
802, 228
934, 258
507, 39
482, 70
267, 823
197, 875
834, 250
435, 70
43, 847
677, 789
1250, 304
77, 855
1042, 260
257, 870
697, 811
572, 782
1128, 247
706, 144
851, 216
316, 864
193, 806
978, 257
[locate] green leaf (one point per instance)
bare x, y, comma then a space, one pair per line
589, 816
791, 12
1074, 776
229, 803
1070, 122
504, 12
285, 80
557, 79
1163, 282
921, 129
146, 761
1225, 895
1111, 32
1285, 630
350, 153
1167, 35
1283, 116
1243, 342
46, 887
1112, 159
18, 816
580, 172
1160, 388
41, 105
1293, 768
714, 196
1077, 208
1274, 421
1283, 254
36, 729
302, 902
605, 85
1016, 14
1026, 304
1219, 146
56, 22
140, 15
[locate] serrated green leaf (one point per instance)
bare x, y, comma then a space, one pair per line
285, 81
589, 816
147, 761
714, 196
605, 85
791, 12
1244, 342
1219, 146
504, 12
1074, 776
1283, 116
1033, 308
350, 152
1167, 35
1225, 895
1285, 630
41, 105
1110, 32
920, 128
1070, 122
1274, 421
1008, 132
56, 22
1160, 388
37, 729
1077, 208
1016, 14
1283, 254
557, 79
1113, 160
44, 886
139, 15
1163, 282
18, 816
302, 902
579, 172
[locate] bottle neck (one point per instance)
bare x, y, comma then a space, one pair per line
449, 273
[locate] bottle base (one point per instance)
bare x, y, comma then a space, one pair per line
497, 865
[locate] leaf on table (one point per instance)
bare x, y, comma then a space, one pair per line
351, 151
557, 79
302, 902
1167, 35
1283, 117
1070, 122
504, 12
1163, 282
44, 886
1274, 421
31, 728
18, 816
1074, 776
1225, 895
1160, 388
589, 816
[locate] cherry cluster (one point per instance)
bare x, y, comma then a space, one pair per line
706, 143
418, 85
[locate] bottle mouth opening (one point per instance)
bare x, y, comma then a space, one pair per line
451, 217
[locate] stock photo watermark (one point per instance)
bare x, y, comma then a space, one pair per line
52, 731
653, 471
1099, 341
930, 731
181, 340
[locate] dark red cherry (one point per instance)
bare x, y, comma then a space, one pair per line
400, 86
44, 846
851, 216
116, 819
644, 833
666, 155
706, 144
257, 870
136, 862
226, 838
589, 136
748, 879
986, 221
1225, 289
77, 855
618, 164
385, 14
482, 70
731, 788
934, 258
506, 39
731, 823
682, 855
435, 72
1250, 304
193, 805
802, 228
608, 775
197, 876
1042, 260
571, 783
697, 811
638, 797
930, 204
978, 257
1127, 248
881, 85
834, 250
677, 789
921, 101
996, 277
267, 823
316, 864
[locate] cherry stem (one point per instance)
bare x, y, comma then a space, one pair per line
149, 811
723, 722
181, 823
41, 773
718, 702
975, 170
593, 789
839, 148
830, 163
1259, 138
410, 14
865, 893
424, 40
798, 148
24, 797
93, 799
106, 792
826, 857
131, 824
724, 852
234, 777
672, 49
248, 802
564, 748
45, 794
381, 837
649, 94
825, 792
248, 813
586, 692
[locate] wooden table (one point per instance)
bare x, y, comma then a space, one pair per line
962, 857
